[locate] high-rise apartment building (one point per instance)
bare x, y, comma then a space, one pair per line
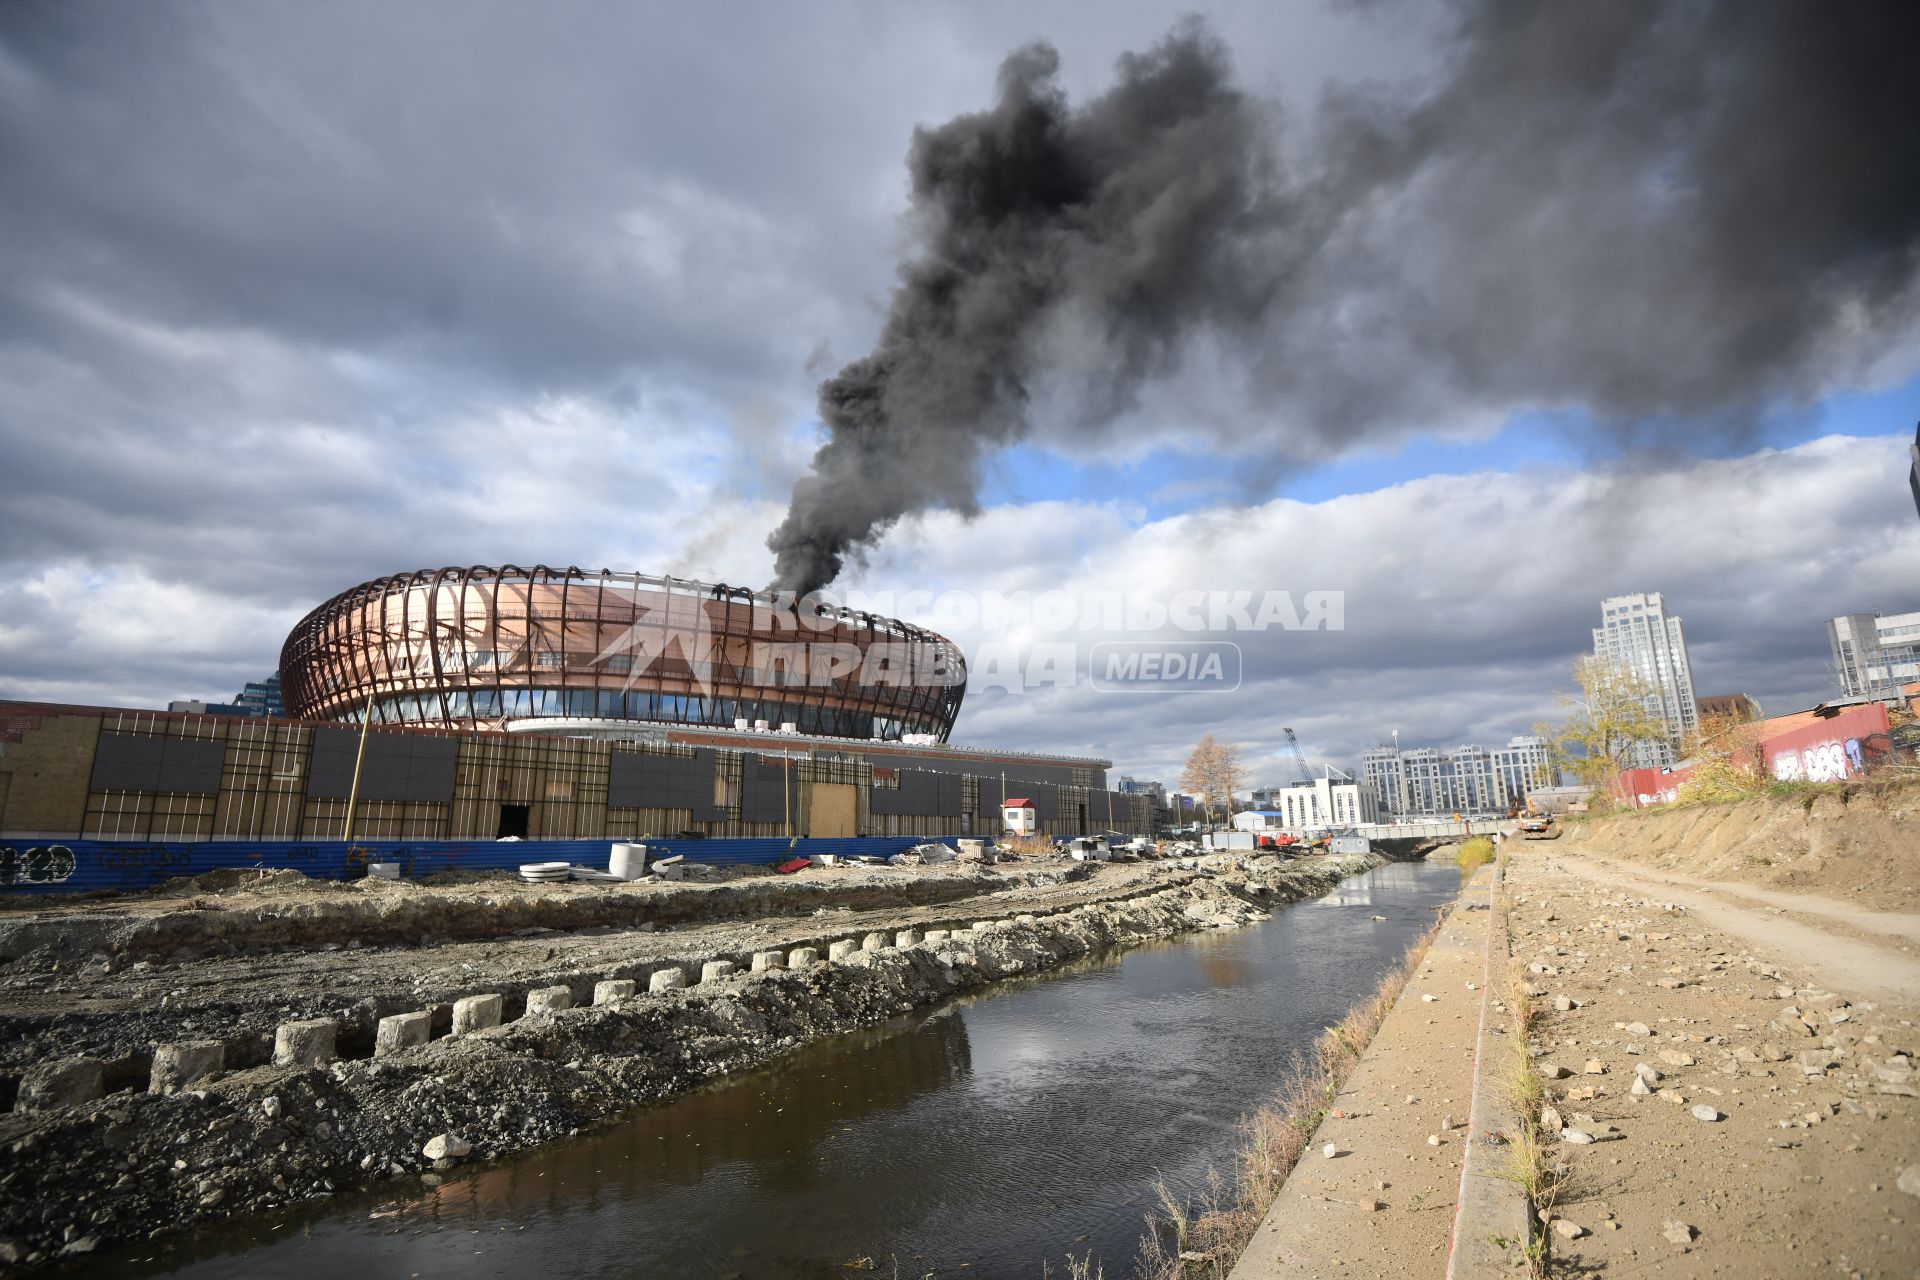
1874, 654
1636, 634
1913, 476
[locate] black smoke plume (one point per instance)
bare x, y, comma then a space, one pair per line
1670, 217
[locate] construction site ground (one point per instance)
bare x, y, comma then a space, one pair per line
230, 955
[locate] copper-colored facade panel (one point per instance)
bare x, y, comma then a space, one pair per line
481, 647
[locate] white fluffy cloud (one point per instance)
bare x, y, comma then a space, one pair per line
1466, 597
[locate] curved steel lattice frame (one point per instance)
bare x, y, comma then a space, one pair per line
477, 647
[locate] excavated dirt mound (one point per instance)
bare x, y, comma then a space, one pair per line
1860, 842
252, 911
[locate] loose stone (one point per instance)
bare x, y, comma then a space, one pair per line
446, 1146
182, 1064
68, 1082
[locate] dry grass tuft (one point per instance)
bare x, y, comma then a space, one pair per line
1528, 1163
1474, 853
1201, 1239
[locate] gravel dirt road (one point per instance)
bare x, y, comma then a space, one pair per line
1731, 1076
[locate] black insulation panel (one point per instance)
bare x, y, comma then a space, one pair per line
636, 781
131, 762
412, 768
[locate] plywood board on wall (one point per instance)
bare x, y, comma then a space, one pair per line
833, 811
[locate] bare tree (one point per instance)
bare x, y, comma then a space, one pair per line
1200, 775
1213, 770
1229, 773
1612, 712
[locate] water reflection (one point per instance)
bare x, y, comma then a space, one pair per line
772, 1123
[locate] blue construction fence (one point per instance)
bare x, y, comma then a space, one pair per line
83, 866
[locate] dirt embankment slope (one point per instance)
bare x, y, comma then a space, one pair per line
1853, 841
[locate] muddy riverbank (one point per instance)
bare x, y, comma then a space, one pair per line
133, 1163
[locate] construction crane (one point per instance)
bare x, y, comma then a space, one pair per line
1299, 756
1306, 775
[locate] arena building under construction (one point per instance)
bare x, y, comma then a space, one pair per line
555, 704
482, 648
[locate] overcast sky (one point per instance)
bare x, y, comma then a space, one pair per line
293, 296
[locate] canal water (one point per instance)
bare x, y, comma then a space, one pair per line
987, 1138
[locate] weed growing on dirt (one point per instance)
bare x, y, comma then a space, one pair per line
1202, 1238
1474, 853
1527, 1163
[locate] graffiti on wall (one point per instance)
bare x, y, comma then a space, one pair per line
38, 864
1822, 762
155, 859
94, 865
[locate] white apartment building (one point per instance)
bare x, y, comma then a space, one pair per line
1874, 654
1428, 782
1525, 764
1301, 807
1637, 634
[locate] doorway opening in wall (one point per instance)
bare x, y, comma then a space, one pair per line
513, 821
1083, 819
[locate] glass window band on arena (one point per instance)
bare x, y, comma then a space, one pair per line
481, 647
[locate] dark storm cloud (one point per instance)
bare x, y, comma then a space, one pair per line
219, 169
286, 296
1671, 216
